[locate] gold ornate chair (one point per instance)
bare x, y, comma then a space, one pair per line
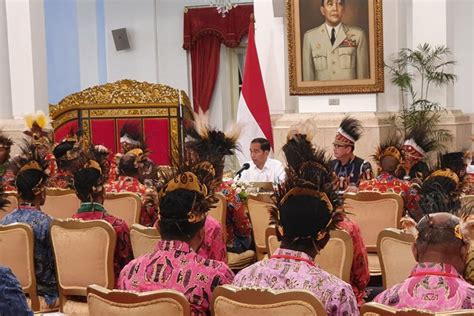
101, 111
395, 255
61, 203
102, 301
260, 218
219, 212
376, 309
84, 254
124, 205
373, 212
335, 258
230, 300
12, 198
143, 239
17, 253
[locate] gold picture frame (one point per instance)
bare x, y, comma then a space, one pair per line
353, 64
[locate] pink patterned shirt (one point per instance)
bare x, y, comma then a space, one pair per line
213, 246
287, 269
431, 286
174, 265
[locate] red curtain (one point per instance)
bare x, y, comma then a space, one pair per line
204, 32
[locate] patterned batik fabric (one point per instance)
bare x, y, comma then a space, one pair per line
352, 172
213, 246
123, 247
469, 271
238, 227
431, 286
8, 180
174, 265
148, 214
287, 270
44, 259
62, 180
360, 274
12, 298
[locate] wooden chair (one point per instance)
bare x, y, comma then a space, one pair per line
17, 253
61, 203
143, 239
219, 211
124, 205
12, 198
373, 212
260, 218
377, 309
336, 257
271, 239
395, 255
84, 254
102, 301
231, 300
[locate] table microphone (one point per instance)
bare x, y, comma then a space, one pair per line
245, 166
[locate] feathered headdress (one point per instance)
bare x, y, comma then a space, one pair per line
418, 143
131, 135
72, 147
349, 132
211, 144
390, 147
5, 142
36, 124
453, 161
27, 158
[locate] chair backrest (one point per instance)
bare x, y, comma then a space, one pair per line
124, 205
374, 212
377, 309
394, 248
143, 239
271, 239
61, 203
260, 218
12, 198
230, 300
17, 253
102, 301
84, 254
219, 211
336, 257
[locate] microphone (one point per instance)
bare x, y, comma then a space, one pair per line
245, 166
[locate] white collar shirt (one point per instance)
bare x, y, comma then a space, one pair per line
272, 171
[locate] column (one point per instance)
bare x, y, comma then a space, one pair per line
5, 86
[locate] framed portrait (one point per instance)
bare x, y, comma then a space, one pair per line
335, 46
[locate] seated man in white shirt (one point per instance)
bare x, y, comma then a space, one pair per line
262, 168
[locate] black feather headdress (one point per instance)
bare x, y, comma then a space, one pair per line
349, 132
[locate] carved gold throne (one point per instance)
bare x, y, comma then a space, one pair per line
101, 111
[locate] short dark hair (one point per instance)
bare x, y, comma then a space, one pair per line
26, 181
342, 1
127, 165
174, 208
436, 233
84, 181
264, 143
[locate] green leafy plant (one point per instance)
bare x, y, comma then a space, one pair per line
416, 72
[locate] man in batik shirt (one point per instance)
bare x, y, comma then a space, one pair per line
12, 298
435, 283
128, 181
31, 195
88, 184
306, 217
174, 264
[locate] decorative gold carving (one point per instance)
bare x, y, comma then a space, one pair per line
339, 87
86, 130
173, 112
66, 117
123, 92
174, 137
153, 112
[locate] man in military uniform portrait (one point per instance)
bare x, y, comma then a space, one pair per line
334, 50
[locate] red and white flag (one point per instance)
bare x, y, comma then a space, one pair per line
253, 113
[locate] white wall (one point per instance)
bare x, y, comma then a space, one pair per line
139, 62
